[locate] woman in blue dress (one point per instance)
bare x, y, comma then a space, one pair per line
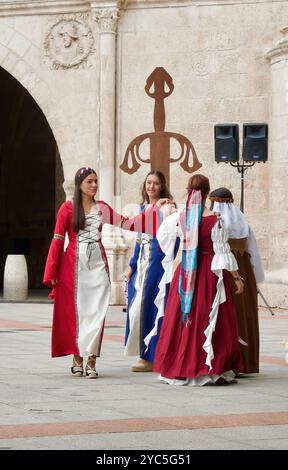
143, 278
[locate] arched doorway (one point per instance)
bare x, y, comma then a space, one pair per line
31, 178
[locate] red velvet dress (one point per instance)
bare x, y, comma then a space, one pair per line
180, 353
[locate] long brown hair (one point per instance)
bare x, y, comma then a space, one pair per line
201, 183
164, 188
78, 222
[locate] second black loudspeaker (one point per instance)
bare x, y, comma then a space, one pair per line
226, 142
255, 142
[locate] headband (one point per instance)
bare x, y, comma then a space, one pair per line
82, 173
220, 199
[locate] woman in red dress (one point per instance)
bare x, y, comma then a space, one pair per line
198, 342
79, 276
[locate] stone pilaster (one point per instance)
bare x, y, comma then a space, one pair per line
107, 14
278, 191
107, 19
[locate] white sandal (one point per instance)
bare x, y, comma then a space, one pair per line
77, 369
90, 372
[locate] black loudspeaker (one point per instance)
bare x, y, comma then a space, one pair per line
226, 142
255, 142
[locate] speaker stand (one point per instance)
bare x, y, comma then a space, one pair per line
242, 168
265, 301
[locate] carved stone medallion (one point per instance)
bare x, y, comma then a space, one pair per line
68, 43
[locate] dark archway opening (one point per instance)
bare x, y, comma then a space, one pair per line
31, 178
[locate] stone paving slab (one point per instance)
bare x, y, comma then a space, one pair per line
36, 390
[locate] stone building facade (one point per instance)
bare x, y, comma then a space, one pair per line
79, 67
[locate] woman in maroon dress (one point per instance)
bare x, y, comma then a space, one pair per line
199, 338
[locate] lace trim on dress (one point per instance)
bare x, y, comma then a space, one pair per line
91, 235
167, 234
223, 259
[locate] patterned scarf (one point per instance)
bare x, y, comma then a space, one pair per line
188, 271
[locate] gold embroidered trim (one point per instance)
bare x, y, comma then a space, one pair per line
58, 236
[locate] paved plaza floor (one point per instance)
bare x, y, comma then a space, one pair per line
42, 406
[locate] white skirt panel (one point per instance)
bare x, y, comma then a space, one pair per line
132, 347
93, 295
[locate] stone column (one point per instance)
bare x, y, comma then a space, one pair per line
107, 15
277, 274
107, 19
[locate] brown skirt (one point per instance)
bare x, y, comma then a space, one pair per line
247, 308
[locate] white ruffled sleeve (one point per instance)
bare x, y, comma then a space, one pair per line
223, 257
167, 235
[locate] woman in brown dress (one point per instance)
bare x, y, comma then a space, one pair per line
245, 250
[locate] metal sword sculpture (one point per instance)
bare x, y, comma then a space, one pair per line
160, 155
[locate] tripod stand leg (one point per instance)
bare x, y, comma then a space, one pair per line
265, 301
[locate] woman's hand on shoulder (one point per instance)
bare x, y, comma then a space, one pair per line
168, 209
162, 201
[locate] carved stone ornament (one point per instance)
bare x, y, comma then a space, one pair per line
107, 18
68, 43
280, 52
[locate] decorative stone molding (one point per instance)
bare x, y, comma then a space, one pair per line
280, 52
107, 18
107, 14
54, 7
42, 7
144, 4
68, 42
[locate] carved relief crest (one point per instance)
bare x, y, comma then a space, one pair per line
68, 43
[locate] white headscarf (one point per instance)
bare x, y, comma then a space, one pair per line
233, 218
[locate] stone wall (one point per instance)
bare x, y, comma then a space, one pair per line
216, 53
61, 79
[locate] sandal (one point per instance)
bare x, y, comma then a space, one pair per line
90, 371
77, 368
